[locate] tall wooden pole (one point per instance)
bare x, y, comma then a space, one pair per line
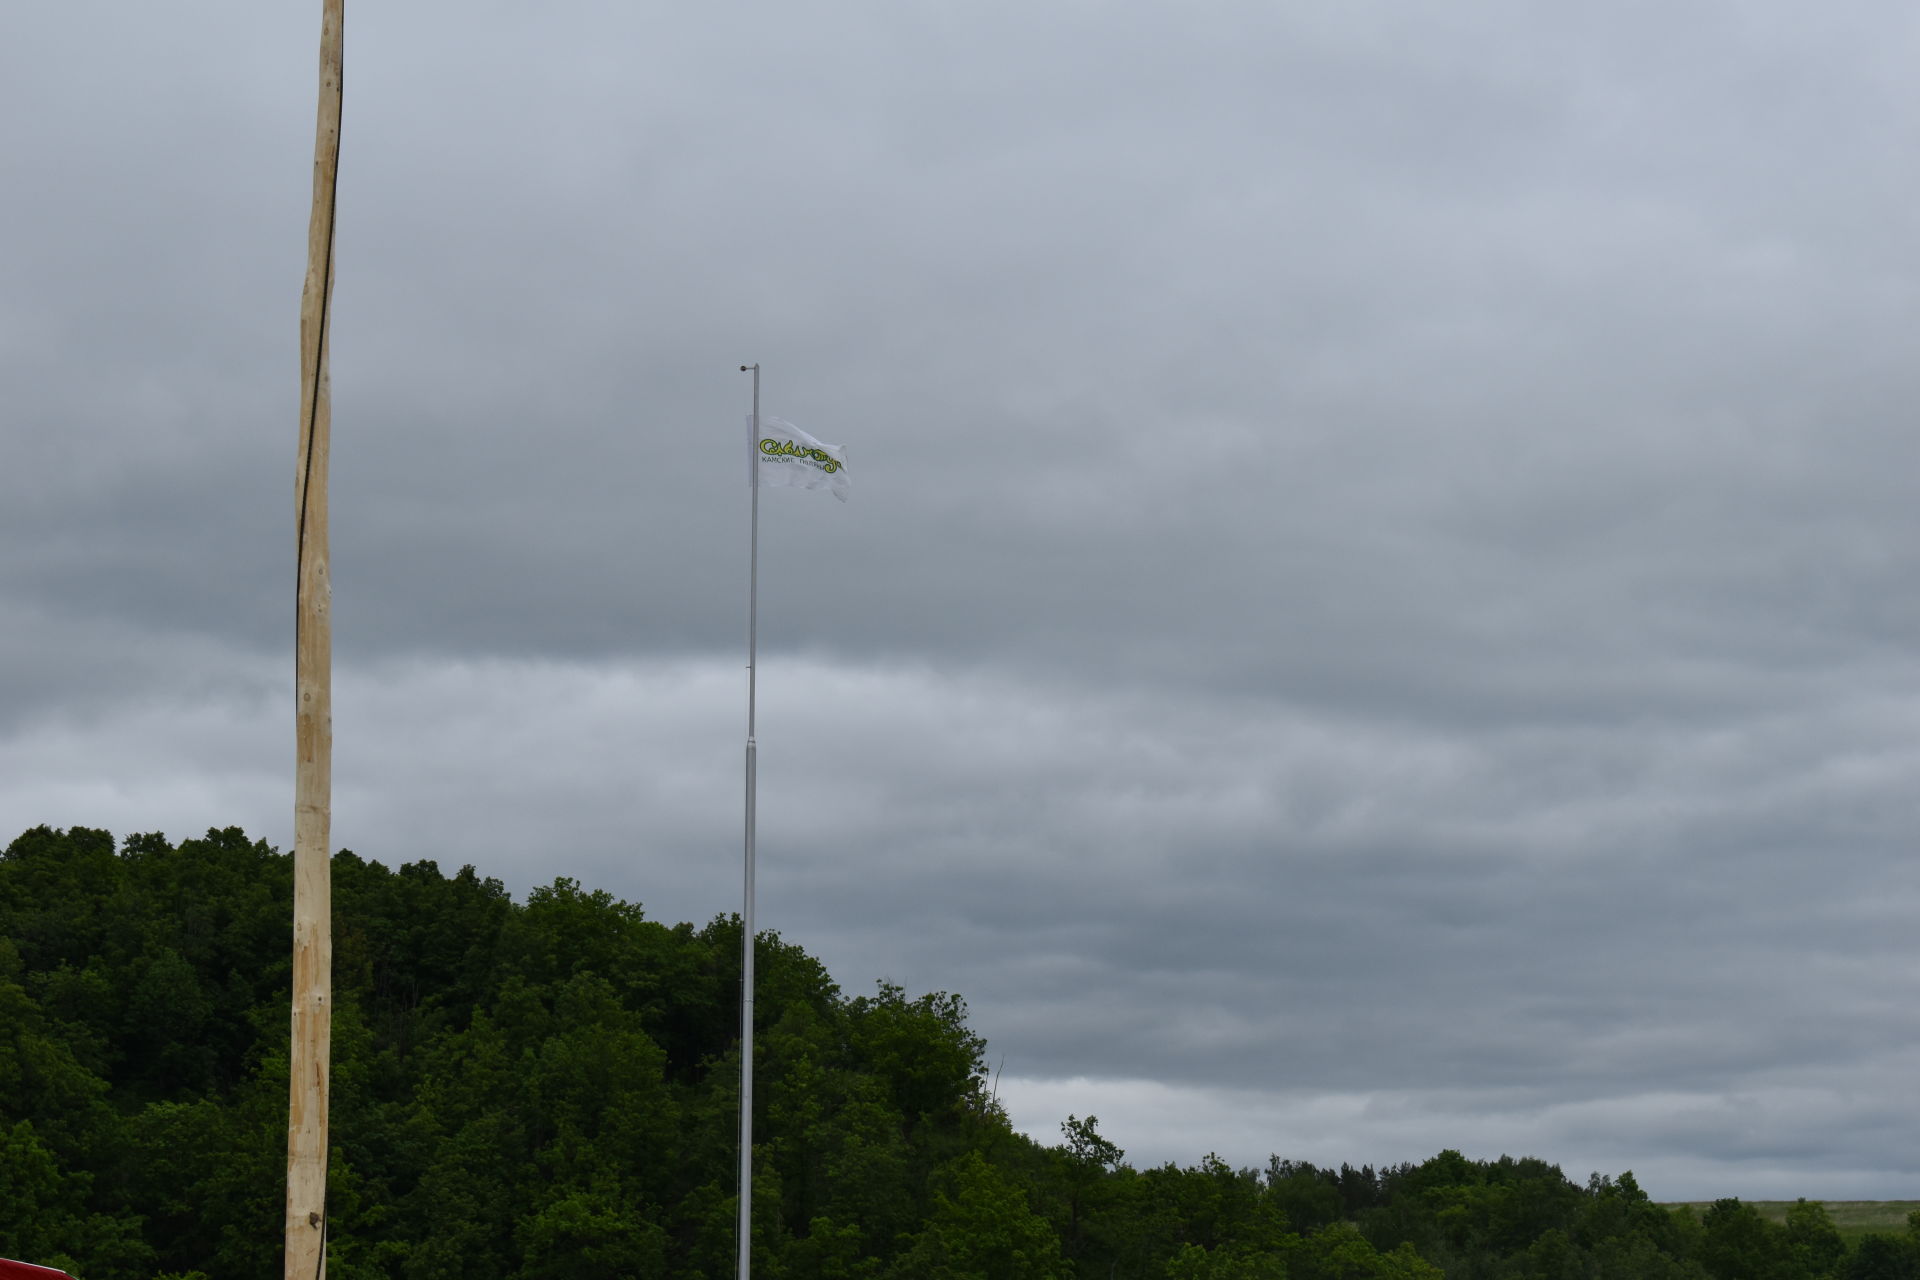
310, 1057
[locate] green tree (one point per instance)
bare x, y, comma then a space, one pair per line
981, 1229
589, 1234
1883, 1257
1087, 1178
1310, 1198
1815, 1243
40, 1208
1191, 1262
1340, 1252
1738, 1244
923, 1049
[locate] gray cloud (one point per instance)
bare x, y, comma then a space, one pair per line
1376, 609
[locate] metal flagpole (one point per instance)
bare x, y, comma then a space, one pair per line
746, 912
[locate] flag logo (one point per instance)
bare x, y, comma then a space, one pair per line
772, 447
787, 456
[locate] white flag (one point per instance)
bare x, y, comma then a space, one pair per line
788, 456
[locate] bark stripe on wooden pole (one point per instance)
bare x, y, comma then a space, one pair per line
310, 1053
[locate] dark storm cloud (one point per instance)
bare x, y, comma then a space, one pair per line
1224, 317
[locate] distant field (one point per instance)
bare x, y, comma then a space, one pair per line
1855, 1218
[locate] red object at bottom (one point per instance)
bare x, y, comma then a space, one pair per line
11, 1270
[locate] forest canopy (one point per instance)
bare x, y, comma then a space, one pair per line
549, 1089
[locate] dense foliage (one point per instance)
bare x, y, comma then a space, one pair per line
548, 1090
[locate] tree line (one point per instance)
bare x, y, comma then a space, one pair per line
548, 1090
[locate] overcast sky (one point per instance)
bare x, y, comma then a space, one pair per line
1378, 610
